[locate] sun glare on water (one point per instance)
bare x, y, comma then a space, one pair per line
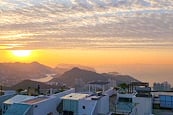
21, 53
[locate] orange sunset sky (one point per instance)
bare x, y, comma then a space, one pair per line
91, 57
96, 33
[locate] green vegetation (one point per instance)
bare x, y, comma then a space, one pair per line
123, 86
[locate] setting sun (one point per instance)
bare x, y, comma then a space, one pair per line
21, 53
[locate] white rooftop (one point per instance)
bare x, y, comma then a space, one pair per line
36, 100
75, 96
18, 99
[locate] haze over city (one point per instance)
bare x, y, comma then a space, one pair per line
128, 36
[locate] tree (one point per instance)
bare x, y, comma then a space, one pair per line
123, 85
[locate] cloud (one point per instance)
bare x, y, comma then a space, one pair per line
38, 24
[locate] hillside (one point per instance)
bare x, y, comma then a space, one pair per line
32, 84
120, 78
86, 76
62, 68
12, 73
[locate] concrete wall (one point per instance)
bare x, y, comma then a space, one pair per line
45, 107
144, 105
61, 94
89, 106
50, 105
103, 105
134, 112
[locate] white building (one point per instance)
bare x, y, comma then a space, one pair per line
16, 99
85, 104
144, 105
134, 104
5, 95
125, 105
40, 105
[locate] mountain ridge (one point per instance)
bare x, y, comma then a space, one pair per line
86, 76
13, 73
61, 68
25, 84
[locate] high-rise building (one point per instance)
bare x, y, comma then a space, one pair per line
164, 86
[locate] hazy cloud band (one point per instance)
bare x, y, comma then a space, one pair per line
38, 24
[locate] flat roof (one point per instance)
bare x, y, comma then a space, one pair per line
75, 96
18, 99
35, 100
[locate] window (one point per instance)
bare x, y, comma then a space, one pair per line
83, 107
125, 100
